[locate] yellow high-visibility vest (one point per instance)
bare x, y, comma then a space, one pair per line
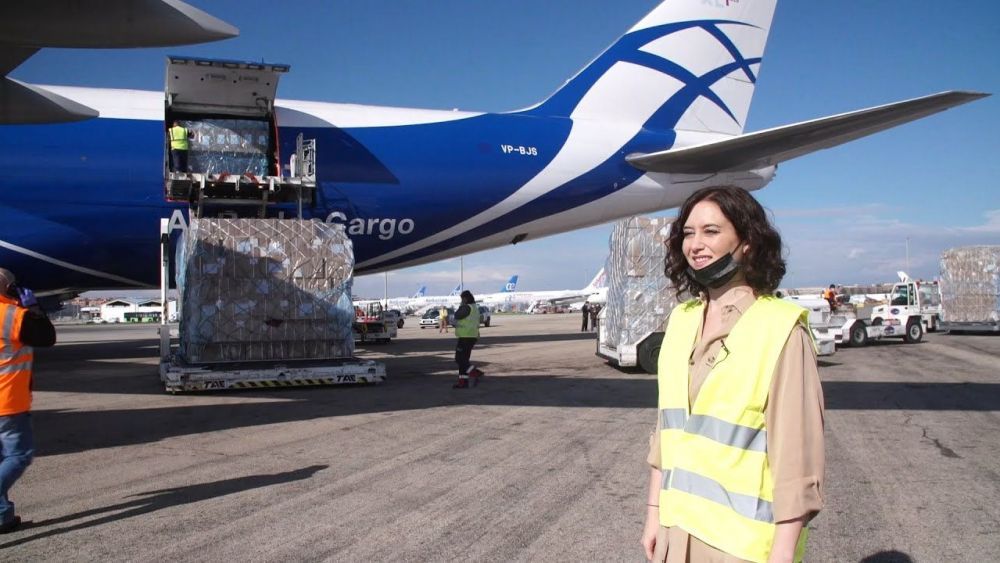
717, 484
178, 138
469, 326
15, 360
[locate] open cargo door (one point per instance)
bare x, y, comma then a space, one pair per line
227, 109
207, 86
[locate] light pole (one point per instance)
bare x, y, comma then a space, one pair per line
461, 272
386, 306
907, 255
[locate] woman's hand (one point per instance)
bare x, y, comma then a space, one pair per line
650, 530
786, 537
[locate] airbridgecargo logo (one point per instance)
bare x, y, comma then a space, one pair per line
385, 229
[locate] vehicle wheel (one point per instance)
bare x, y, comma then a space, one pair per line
487, 323
858, 335
914, 331
422, 327
399, 324
877, 321
649, 352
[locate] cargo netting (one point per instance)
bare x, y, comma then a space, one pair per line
229, 146
640, 296
970, 284
265, 290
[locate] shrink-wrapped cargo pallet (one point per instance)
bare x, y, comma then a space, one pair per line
265, 290
970, 284
229, 146
640, 297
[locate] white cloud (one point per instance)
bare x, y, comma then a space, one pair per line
870, 248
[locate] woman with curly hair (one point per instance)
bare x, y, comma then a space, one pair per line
737, 457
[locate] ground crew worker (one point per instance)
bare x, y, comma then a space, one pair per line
467, 331
22, 326
586, 316
830, 294
737, 459
442, 320
179, 147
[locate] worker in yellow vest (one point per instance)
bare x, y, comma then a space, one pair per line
467, 331
442, 319
179, 146
23, 325
737, 458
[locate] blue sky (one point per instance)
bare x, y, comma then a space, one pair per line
845, 214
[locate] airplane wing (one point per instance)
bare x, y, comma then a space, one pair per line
771, 146
25, 103
28, 26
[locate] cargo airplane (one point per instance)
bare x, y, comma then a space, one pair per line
657, 115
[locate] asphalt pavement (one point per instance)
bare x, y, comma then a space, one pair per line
543, 461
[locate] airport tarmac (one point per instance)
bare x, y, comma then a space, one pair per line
543, 461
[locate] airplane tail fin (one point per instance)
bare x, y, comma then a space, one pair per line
599, 281
510, 286
689, 64
456, 291
421, 292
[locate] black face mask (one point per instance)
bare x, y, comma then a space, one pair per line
716, 274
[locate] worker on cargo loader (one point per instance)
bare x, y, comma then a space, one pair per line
467, 331
830, 294
179, 147
22, 326
737, 459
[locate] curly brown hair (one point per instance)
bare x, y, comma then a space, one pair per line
763, 264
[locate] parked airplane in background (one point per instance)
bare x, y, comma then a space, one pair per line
401, 303
562, 297
656, 116
420, 304
454, 298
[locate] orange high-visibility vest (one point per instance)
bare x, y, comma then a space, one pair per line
15, 360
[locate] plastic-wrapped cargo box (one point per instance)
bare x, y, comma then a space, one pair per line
230, 146
265, 290
640, 296
970, 288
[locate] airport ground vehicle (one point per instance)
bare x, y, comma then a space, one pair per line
914, 308
485, 315
395, 315
374, 324
180, 375
639, 299
431, 317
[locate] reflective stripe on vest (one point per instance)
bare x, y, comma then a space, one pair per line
178, 138
743, 437
15, 361
717, 483
469, 326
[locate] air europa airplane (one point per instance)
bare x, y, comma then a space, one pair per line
657, 115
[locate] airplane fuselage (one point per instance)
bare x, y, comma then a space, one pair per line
81, 202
